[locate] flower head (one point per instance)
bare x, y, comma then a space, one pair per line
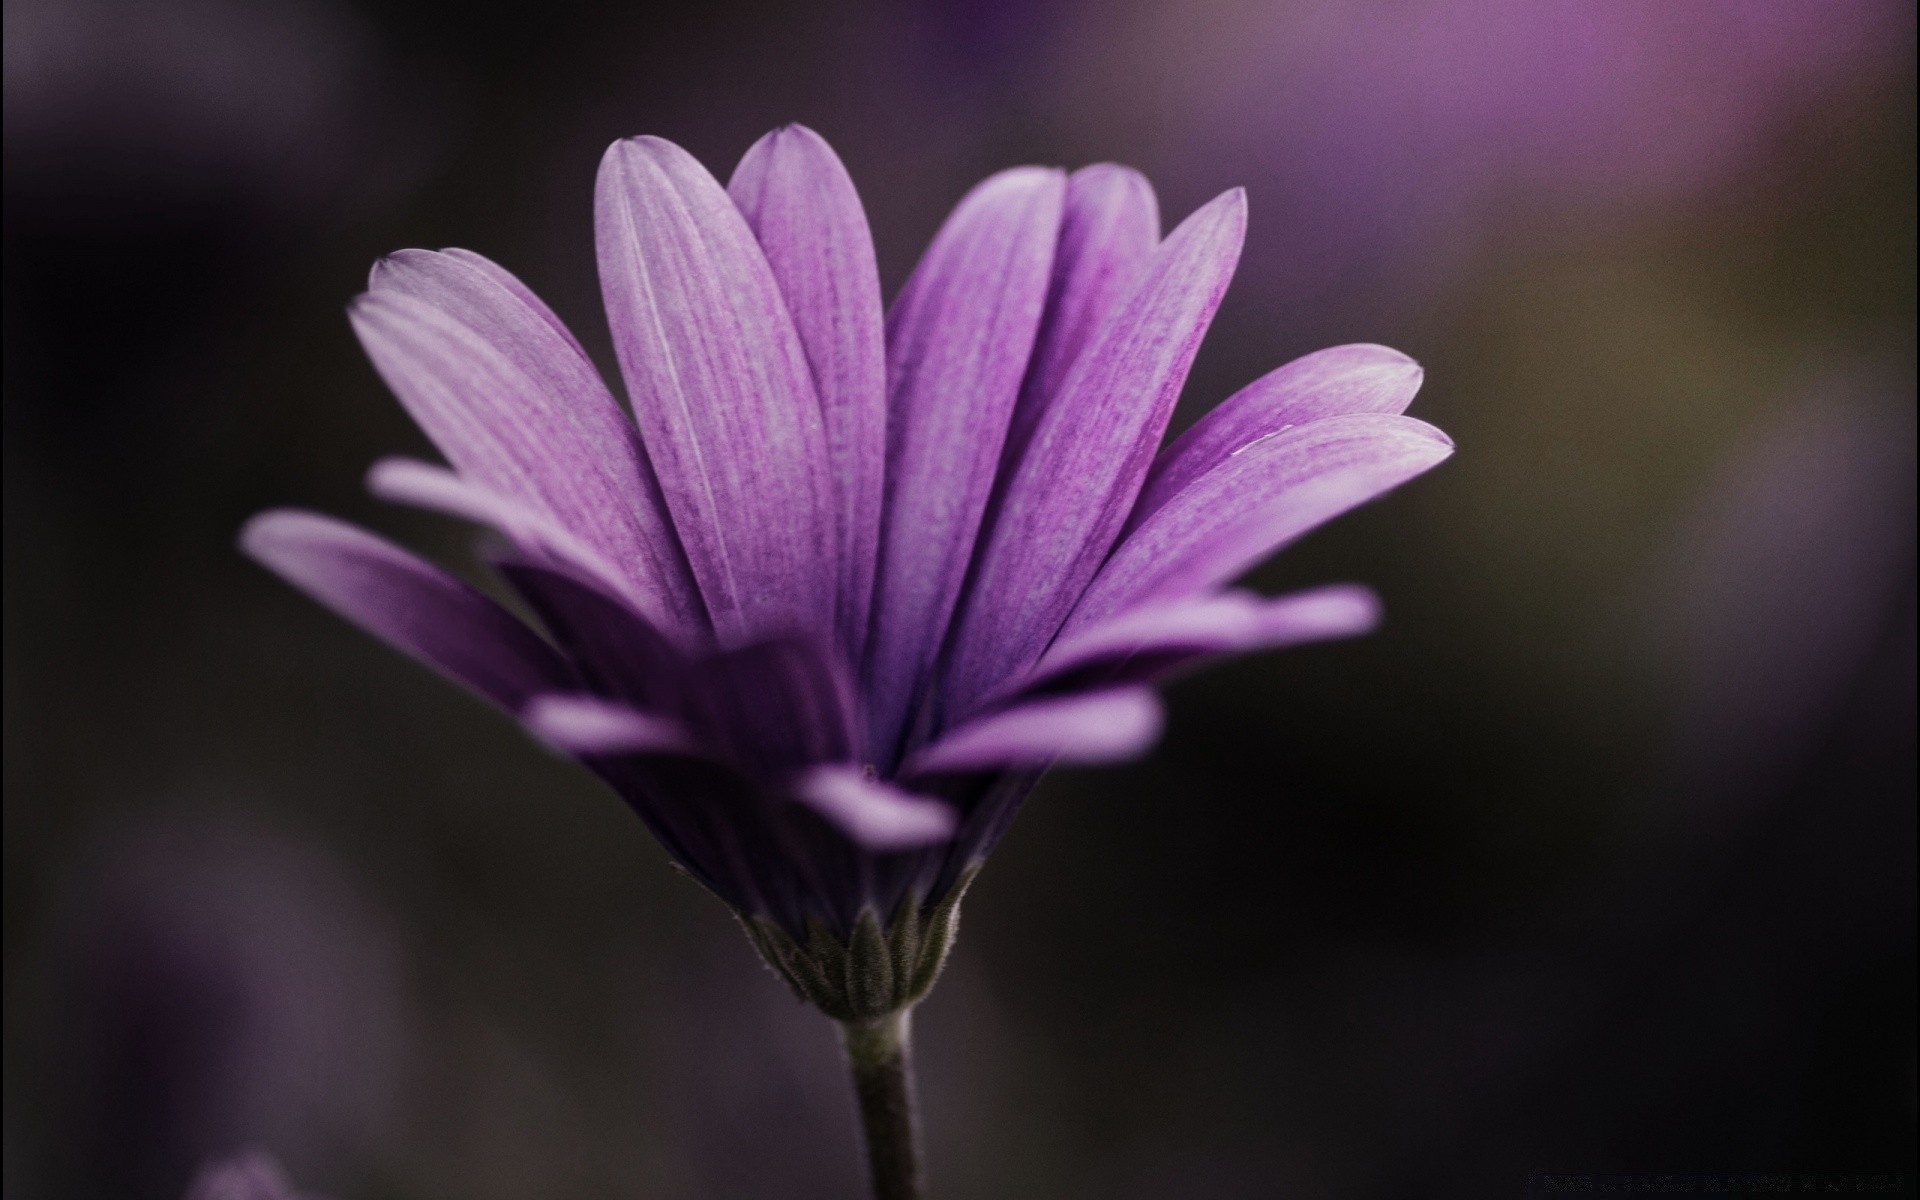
849, 578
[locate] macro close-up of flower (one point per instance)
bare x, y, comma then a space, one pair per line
977, 670
823, 609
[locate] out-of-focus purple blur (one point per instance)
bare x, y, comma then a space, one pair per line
1597, 861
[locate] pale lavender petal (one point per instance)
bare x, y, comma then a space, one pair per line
1223, 620
1359, 378
1108, 232
1070, 494
410, 604
517, 408
721, 389
877, 815
1339, 610
801, 205
1262, 496
958, 341
1162, 637
1093, 727
508, 280
593, 726
425, 485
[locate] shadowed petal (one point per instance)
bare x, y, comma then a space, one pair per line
1071, 492
1262, 496
773, 705
1094, 727
1108, 231
721, 390
799, 202
612, 646
1328, 383
594, 726
424, 485
877, 815
410, 604
517, 409
958, 341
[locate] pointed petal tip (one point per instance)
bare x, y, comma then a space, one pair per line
1223, 218
1388, 365
380, 275
1433, 433
796, 131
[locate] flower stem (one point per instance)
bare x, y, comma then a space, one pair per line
883, 1081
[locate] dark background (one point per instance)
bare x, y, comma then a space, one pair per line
1597, 859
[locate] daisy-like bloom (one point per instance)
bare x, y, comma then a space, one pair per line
849, 578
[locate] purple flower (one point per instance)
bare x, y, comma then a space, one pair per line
849, 580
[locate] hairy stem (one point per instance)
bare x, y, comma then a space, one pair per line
883, 1081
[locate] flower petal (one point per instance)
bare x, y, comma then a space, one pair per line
1359, 378
512, 402
1070, 494
1184, 624
520, 291
1263, 495
721, 389
801, 205
596, 726
408, 603
1108, 232
772, 705
425, 485
1160, 637
877, 815
615, 650
1093, 727
958, 341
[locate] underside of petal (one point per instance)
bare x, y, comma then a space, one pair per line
1161, 638
593, 725
877, 815
1095, 727
408, 603
425, 485
613, 647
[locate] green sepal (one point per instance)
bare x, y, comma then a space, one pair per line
879, 970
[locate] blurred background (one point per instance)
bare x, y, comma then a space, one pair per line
1598, 858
